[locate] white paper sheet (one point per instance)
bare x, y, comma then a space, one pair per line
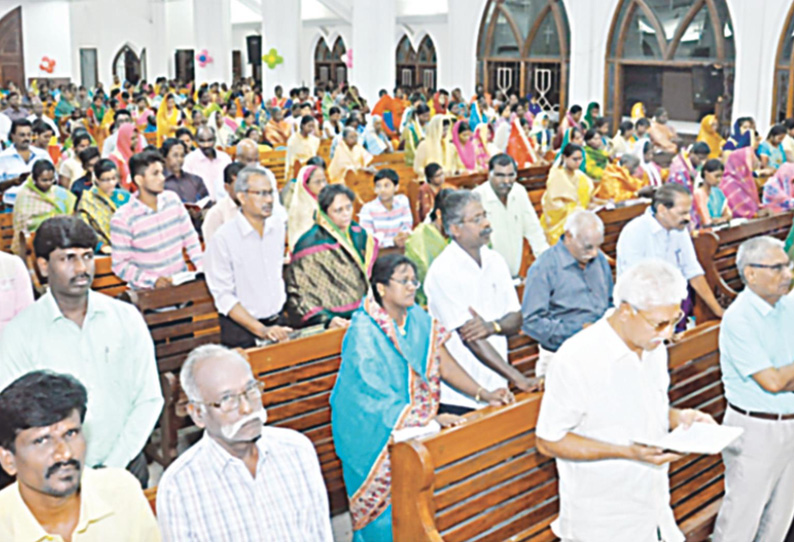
416, 432
700, 438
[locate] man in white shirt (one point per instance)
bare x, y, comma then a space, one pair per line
662, 233
241, 481
226, 209
17, 160
606, 389
244, 262
208, 163
471, 293
510, 212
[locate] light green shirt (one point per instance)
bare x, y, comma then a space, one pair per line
112, 355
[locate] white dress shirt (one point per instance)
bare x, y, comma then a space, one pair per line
242, 267
210, 171
109, 145
512, 224
644, 238
12, 165
454, 283
209, 495
597, 388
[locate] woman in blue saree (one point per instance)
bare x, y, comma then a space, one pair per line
392, 361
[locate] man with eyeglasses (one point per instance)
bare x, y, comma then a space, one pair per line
661, 232
241, 481
207, 162
244, 263
756, 355
568, 287
510, 212
606, 389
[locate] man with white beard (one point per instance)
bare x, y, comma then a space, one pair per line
241, 481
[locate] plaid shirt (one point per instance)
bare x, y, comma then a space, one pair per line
207, 494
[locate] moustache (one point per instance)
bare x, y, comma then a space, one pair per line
61, 465
267, 209
230, 431
486, 232
80, 277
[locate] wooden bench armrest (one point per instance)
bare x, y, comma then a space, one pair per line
412, 488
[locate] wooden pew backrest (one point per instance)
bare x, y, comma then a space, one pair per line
6, 231
105, 281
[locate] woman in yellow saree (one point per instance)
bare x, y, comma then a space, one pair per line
710, 136
167, 119
437, 148
567, 190
637, 112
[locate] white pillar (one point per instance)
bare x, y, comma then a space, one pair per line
281, 30
463, 24
212, 30
374, 24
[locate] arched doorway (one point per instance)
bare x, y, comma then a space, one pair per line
127, 65
523, 47
329, 64
783, 97
677, 56
415, 69
12, 60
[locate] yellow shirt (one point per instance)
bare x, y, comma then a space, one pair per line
112, 508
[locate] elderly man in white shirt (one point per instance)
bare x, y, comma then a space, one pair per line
470, 291
244, 262
606, 389
510, 212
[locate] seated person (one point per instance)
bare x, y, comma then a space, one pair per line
567, 189
88, 158
15, 288
771, 151
622, 142
207, 162
388, 217
129, 143
17, 160
596, 156
247, 152
301, 145
393, 361
100, 340
186, 137
244, 262
437, 148
711, 204
376, 140
618, 184
652, 175
662, 134
568, 287
55, 497
226, 208
70, 167
303, 202
98, 204
190, 188
426, 242
739, 186
328, 274
150, 232
246, 482
470, 147
350, 155
39, 198
684, 167
435, 180
779, 190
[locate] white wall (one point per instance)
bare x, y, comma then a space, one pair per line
239, 33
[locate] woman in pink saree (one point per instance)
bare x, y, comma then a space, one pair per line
779, 190
470, 146
739, 186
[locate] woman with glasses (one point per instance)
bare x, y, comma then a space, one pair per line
393, 358
97, 205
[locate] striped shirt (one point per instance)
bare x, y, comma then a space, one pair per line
209, 495
147, 244
383, 224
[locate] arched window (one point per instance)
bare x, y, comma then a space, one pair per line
329, 64
523, 47
127, 65
416, 69
783, 106
679, 55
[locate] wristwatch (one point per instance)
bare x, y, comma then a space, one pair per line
497, 329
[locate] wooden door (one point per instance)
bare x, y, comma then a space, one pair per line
12, 61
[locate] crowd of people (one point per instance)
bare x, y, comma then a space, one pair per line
165, 179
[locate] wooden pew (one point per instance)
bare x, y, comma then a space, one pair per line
486, 480
388, 159
151, 496
363, 186
180, 318
275, 162
105, 281
716, 252
6, 231
614, 221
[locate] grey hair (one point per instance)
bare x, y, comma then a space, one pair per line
187, 377
452, 208
348, 130
581, 220
243, 177
753, 250
650, 283
275, 109
205, 127
630, 161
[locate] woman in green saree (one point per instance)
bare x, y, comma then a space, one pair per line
596, 157
393, 358
426, 242
328, 274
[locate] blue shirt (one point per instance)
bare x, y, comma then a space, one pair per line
755, 336
560, 297
644, 238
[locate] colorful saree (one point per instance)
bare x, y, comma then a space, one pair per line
779, 190
710, 205
32, 207
473, 154
564, 194
710, 136
618, 184
739, 185
412, 136
167, 123
595, 162
347, 159
301, 208
422, 247
96, 209
589, 119
776, 156
682, 171
637, 111
329, 272
519, 147
738, 139
476, 116
388, 380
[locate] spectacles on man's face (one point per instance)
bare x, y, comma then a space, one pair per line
407, 282
776, 267
477, 219
231, 401
261, 193
658, 327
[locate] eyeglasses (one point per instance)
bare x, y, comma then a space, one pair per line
407, 282
231, 401
260, 193
776, 267
658, 327
477, 219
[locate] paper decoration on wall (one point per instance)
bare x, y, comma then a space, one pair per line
203, 58
349, 59
47, 64
272, 59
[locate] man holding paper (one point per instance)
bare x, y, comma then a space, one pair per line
606, 390
756, 354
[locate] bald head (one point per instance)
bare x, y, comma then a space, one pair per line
247, 152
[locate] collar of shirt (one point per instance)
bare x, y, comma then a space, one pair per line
92, 509
488, 194
653, 223
220, 459
246, 228
54, 311
464, 258
758, 303
566, 259
34, 152
161, 201
614, 344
